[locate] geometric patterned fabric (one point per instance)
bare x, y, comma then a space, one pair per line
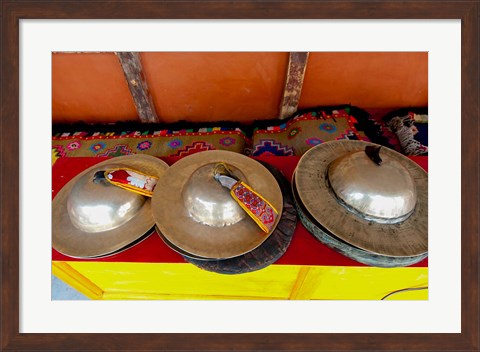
294, 136
305, 131
180, 143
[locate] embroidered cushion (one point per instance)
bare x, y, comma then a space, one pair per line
162, 142
305, 130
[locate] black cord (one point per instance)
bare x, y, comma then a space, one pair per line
405, 289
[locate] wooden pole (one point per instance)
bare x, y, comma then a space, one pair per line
132, 69
293, 83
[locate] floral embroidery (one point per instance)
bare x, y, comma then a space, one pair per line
293, 132
174, 144
270, 147
74, 145
314, 141
144, 145
227, 141
96, 147
328, 127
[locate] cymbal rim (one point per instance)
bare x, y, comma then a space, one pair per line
344, 248
408, 238
177, 249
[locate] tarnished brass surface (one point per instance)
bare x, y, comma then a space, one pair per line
198, 231
208, 202
177, 249
381, 193
358, 254
95, 219
97, 207
408, 237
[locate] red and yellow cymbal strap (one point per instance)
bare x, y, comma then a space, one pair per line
132, 180
257, 207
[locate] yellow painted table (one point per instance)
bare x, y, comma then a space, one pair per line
308, 269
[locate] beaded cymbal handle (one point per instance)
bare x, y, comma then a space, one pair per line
256, 206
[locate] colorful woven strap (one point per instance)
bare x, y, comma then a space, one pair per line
132, 180
257, 207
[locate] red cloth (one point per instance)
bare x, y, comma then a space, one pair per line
303, 250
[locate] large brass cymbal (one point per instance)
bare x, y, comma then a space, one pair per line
93, 220
195, 213
344, 248
400, 229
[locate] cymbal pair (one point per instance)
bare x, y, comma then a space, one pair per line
194, 212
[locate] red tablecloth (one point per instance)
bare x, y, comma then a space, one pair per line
303, 250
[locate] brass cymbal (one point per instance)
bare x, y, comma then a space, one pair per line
177, 249
196, 214
382, 208
344, 248
95, 220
